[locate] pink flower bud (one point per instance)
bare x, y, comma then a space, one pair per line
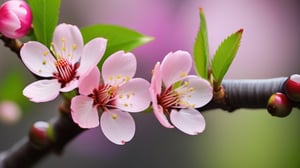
15, 18
279, 105
41, 134
292, 87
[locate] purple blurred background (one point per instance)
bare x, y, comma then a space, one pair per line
245, 138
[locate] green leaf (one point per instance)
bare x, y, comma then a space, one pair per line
201, 49
11, 87
118, 38
225, 55
45, 18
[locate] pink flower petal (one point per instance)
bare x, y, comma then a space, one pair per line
197, 92
119, 68
68, 42
42, 90
156, 80
9, 23
175, 67
92, 54
133, 96
158, 111
83, 112
117, 126
189, 121
89, 82
38, 59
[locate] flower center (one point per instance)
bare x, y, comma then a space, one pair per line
168, 99
65, 71
104, 96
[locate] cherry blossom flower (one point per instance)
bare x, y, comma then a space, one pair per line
115, 93
15, 18
175, 94
61, 66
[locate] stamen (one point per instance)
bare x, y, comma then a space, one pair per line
66, 72
168, 99
183, 74
114, 116
104, 96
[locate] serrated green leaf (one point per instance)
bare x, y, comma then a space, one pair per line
201, 49
45, 18
118, 38
225, 55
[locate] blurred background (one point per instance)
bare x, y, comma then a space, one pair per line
244, 138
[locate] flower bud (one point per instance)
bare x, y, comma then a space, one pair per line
279, 105
41, 134
292, 87
15, 18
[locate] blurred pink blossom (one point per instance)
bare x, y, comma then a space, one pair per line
10, 112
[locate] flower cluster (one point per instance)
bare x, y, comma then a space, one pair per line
105, 98
15, 18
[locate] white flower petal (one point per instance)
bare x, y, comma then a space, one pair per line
133, 96
189, 121
117, 126
119, 68
42, 90
68, 42
38, 59
92, 54
70, 86
196, 92
175, 66
83, 112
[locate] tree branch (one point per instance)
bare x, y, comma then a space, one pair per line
247, 93
251, 94
25, 153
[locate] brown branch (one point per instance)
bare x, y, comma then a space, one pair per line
26, 153
14, 45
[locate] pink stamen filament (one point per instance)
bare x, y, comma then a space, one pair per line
168, 99
104, 96
65, 71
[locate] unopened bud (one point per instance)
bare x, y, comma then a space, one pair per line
41, 134
292, 87
15, 18
279, 105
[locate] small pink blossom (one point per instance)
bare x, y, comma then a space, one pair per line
175, 94
63, 65
114, 93
15, 18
